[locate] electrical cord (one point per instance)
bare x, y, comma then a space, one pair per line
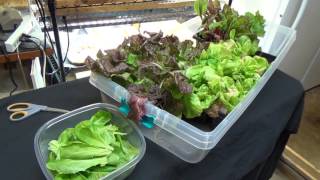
45, 34
39, 46
21, 67
42, 18
32, 37
67, 29
46, 31
10, 70
28, 38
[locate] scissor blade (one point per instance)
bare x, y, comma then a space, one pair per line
56, 110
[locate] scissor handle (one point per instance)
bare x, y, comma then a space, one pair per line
15, 107
19, 115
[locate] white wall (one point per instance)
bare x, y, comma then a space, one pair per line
304, 50
270, 9
312, 76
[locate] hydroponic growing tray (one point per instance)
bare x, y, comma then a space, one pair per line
183, 139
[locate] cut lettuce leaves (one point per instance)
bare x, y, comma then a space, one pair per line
79, 150
90, 150
71, 166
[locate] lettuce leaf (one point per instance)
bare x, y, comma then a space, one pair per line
184, 79
226, 23
223, 75
71, 166
79, 150
90, 150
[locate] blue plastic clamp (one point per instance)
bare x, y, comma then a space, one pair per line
148, 121
124, 107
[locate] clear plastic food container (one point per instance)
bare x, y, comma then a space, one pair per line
183, 139
54, 127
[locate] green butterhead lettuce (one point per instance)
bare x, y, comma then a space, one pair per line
223, 74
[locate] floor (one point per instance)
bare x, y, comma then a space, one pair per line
284, 172
306, 144
309, 126
307, 141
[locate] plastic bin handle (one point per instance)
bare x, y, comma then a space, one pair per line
147, 120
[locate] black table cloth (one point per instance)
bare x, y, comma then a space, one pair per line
250, 150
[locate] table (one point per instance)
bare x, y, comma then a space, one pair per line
250, 150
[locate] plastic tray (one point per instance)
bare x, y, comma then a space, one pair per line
54, 127
183, 139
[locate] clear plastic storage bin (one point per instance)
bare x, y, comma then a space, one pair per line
54, 127
181, 138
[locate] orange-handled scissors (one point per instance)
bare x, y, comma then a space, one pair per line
22, 110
